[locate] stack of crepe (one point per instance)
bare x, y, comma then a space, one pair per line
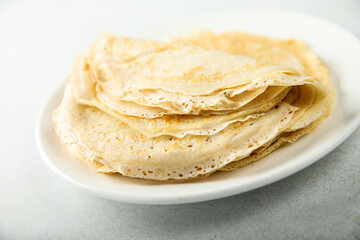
185, 108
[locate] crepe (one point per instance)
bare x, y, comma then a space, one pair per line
179, 79
292, 53
106, 139
241, 83
185, 108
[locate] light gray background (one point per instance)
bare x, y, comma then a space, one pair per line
38, 40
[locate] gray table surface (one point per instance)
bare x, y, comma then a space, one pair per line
38, 39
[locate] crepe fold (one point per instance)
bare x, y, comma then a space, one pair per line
185, 108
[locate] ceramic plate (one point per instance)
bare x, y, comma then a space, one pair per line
336, 47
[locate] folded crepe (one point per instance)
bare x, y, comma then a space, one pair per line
291, 53
188, 107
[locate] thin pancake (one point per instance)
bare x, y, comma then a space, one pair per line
118, 146
292, 53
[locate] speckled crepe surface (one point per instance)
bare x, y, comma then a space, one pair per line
241, 108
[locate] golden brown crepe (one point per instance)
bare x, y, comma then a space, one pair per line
188, 107
291, 53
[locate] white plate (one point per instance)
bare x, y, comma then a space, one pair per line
337, 48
